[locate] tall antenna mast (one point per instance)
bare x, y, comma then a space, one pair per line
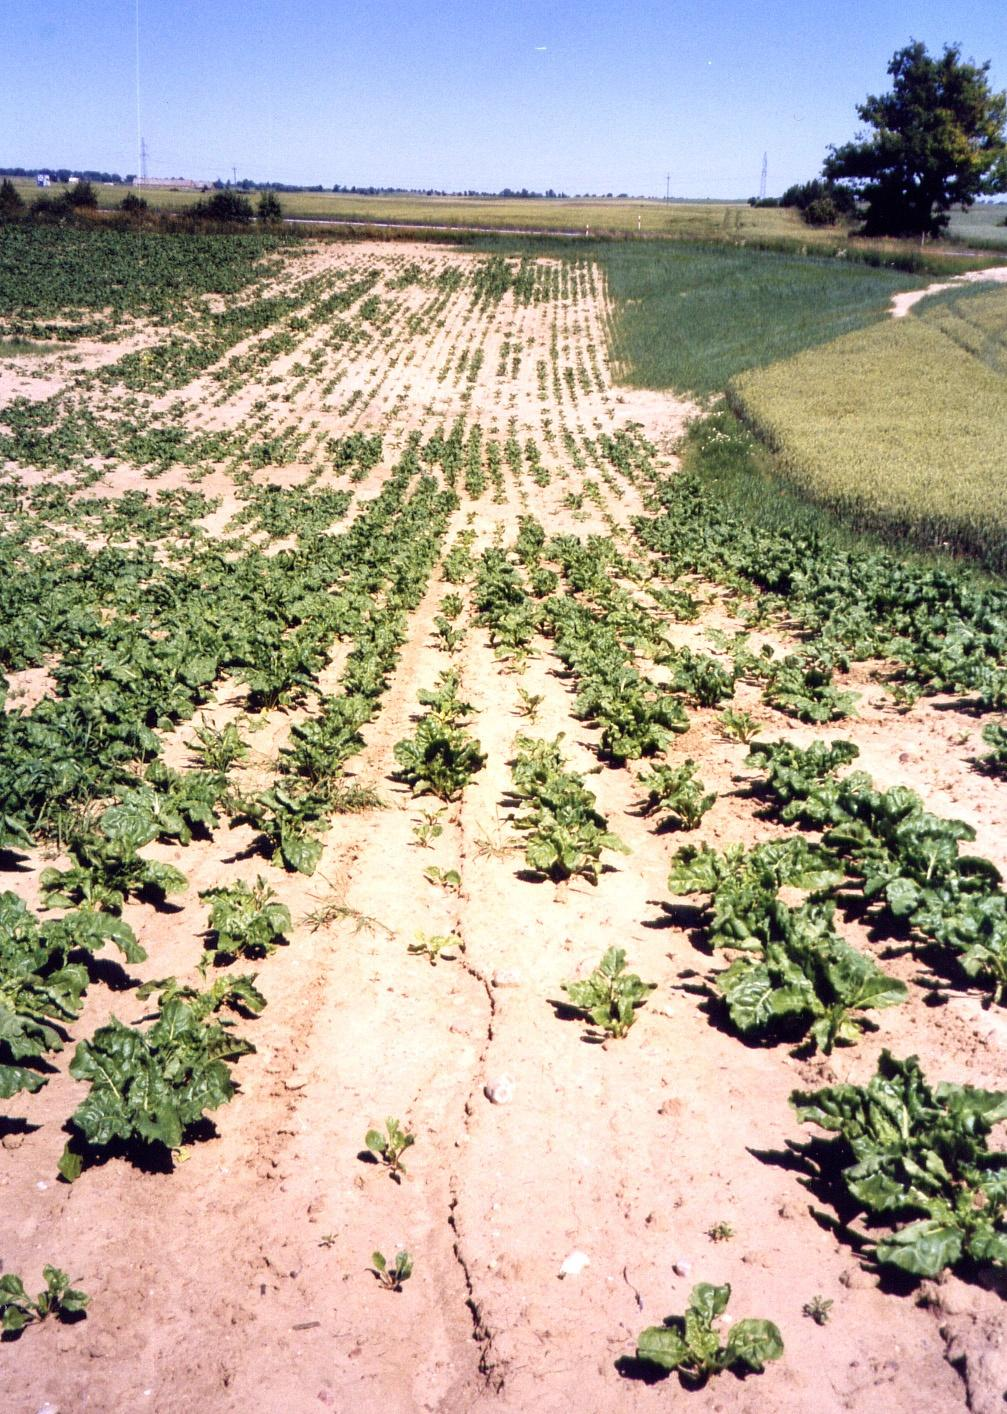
144, 154
139, 140
765, 173
667, 187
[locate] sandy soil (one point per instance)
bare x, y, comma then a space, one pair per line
903, 303
239, 1281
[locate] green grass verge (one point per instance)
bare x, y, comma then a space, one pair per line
900, 428
742, 476
18, 348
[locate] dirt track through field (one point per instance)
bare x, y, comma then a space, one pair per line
239, 1280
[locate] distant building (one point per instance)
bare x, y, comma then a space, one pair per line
42, 180
168, 183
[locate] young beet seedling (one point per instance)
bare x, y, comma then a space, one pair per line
434, 948
59, 1298
691, 1345
736, 725
530, 703
610, 996
390, 1146
449, 879
392, 1277
428, 827
818, 1309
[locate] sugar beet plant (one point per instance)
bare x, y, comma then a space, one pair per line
677, 795
564, 833
245, 920
441, 757
610, 996
388, 1147
900, 864
692, 1345
797, 976
152, 1087
905, 1149
58, 1298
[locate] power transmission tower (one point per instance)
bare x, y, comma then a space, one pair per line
667, 187
144, 154
765, 173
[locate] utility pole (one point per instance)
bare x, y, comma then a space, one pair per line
144, 154
139, 138
765, 173
235, 171
667, 187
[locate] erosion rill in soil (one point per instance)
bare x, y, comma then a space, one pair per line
365, 684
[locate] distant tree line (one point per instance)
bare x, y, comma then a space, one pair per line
246, 184
227, 208
13, 206
63, 174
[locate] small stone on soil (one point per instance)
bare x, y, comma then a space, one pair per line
499, 1091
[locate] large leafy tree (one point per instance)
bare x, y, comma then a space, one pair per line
938, 141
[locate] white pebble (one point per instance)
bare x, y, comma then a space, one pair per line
507, 977
499, 1091
682, 1268
41, 1185
574, 1264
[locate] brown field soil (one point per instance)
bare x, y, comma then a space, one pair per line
239, 1279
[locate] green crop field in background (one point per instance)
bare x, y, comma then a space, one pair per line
700, 220
692, 318
983, 225
734, 223
902, 425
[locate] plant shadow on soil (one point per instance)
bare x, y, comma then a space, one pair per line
10, 1127
565, 1012
684, 916
13, 862
630, 1367
814, 1163
144, 1157
108, 971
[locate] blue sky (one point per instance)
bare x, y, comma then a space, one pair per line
589, 96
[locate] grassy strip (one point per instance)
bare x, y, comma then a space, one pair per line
742, 476
900, 428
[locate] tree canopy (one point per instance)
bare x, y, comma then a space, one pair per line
224, 206
938, 141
